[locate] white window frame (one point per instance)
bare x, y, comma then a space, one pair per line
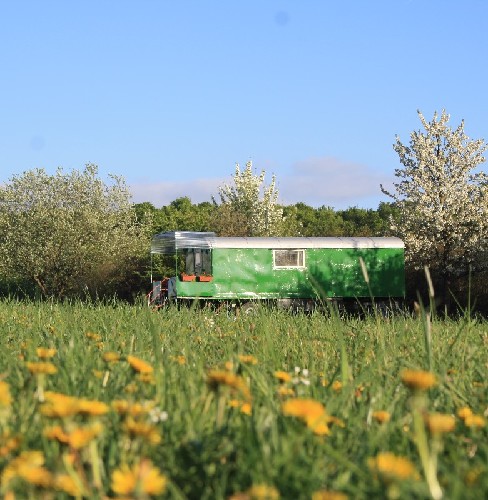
298, 251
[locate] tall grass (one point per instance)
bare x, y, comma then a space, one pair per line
210, 447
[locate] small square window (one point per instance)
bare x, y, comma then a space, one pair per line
285, 259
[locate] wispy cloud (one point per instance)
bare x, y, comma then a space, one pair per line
314, 181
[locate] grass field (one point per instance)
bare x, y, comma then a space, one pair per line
118, 401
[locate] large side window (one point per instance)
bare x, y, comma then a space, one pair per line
286, 259
198, 261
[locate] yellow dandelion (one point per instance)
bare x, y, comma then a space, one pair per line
59, 405
8, 443
131, 388
337, 386
46, 353
248, 359
217, 378
418, 379
234, 403
282, 376
28, 466
65, 483
81, 436
93, 408
98, 373
147, 378
381, 416
142, 429
303, 408
328, 495
246, 408
93, 336
474, 421
139, 365
56, 432
438, 423
5, 396
111, 357
464, 412
285, 391
392, 467
142, 478
229, 366
263, 492
41, 368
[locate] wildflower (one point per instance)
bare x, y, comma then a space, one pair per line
8, 443
56, 432
246, 408
337, 385
248, 359
28, 466
111, 357
98, 373
328, 495
147, 378
438, 423
391, 467
474, 421
122, 406
131, 388
418, 379
285, 391
93, 336
5, 397
142, 429
139, 365
59, 405
216, 378
258, 492
381, 416
142, 477
282, 376
464, 412
41, 368
45, 353
65, 483
81, 436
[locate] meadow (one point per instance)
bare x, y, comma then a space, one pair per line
119, 401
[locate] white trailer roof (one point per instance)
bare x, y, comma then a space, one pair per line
170, 242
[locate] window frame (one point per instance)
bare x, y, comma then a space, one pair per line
297, 251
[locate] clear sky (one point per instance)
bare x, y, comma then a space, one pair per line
171, 94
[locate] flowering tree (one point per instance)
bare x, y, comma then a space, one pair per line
442, 201
256, 215
67, 233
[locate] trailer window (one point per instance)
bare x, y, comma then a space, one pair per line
198, 261
284, 259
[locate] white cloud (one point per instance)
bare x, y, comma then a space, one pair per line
314, 181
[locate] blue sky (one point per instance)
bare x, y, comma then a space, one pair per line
171, 94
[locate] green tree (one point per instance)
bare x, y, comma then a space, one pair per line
441, 199
70, 234
248, 207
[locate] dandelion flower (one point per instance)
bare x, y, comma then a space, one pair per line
285, 391
418, 379
246, 408
282, 376
391, 467
41, 368
258, 492
438, 423
139, 365
93, 408
474, 421
248, 359
81, 436
65, 483
111, 357
328, 495
381, 416
45, 353
142, 477
464, 412
142, 429
216, 378
337, 385
5, 396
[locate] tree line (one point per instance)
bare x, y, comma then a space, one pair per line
75, 235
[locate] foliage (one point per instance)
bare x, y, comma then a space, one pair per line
214, 406
251, 204
70, 234
441, 198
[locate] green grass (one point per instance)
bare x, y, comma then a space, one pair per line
208, 454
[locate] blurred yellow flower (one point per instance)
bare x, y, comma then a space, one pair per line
312, 412
418, 379
92, 407
257, 492
28, 466
81, 436
285, 391
216, 378
246, 408
282, 376
139, 365
93, 336
41, 368
5, 396
142, 478
45, 353
474, 421
381, 416
66, 483
142, 429
111, 357
391, 467
248, 359
328, 495
439, 423
464, 412
8, 443
337, 385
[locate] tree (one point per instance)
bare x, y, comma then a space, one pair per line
443, 213
249, 203
69, 233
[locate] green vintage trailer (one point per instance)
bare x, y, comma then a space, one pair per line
291, 271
